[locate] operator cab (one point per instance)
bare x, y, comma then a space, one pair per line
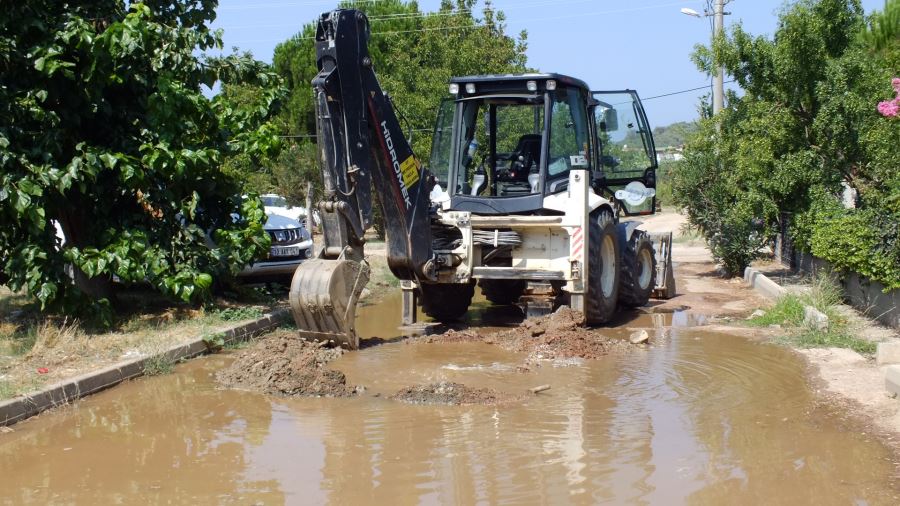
503, 143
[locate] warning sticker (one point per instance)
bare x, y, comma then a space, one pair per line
410, 170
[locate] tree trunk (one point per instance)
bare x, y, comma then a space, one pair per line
76, 235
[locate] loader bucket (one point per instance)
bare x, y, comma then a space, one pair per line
665, 271
323, 299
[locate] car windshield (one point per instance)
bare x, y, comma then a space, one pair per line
274, 201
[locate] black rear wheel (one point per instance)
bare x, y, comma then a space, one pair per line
446, 302
502, 291
638, 271
603, 269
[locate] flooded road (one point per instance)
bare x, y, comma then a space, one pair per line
700, 418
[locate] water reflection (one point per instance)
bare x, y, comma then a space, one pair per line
153, 439
700, 418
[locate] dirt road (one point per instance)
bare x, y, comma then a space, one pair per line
695, 415
841, 376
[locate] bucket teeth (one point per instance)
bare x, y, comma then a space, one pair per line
323, 297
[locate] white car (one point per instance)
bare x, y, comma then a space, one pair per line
291, 245
276, 204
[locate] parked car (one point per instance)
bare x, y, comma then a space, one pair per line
276, 204
291, 245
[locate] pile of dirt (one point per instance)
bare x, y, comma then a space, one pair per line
557, 335
284, 364
451, 393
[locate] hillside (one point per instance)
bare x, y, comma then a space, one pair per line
673, 135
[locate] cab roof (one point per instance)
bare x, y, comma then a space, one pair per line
499, 78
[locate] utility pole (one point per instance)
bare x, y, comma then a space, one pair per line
718, 84
718, 14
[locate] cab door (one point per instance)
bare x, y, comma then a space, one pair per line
626, 157
442, 144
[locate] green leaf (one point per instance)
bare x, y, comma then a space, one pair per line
132, 105
109, 160
26, 185
22, 202
203, 280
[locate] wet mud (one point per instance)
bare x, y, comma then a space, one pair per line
559, 335
282, 364
450, 393
697, 417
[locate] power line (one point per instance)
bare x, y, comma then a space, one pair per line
506, 21
493, 8
288, 4
643, 99
389, 17
682, 91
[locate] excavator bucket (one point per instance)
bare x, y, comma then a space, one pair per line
323, 299
665, 271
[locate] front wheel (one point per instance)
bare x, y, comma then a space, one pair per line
446, 302
603, 269
638, 271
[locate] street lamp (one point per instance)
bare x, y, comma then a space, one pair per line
719, 21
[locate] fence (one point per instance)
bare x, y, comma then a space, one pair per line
862, 293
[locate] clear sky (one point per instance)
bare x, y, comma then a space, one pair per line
610, 44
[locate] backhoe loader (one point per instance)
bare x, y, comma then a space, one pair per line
528, 178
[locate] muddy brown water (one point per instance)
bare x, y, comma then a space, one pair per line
699, 418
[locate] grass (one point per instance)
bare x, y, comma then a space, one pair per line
7, 389
825, 296
832, 338
788, 310
14, 310
11, 388
147, 325
688, 236
236, 314
158, 364
237, 345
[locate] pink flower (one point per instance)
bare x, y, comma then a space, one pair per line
889, 108
895, 83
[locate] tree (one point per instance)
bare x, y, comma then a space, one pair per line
415, 55
806, 127
249, 108
673, 135
104, 130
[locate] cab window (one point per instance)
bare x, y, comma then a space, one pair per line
568, 134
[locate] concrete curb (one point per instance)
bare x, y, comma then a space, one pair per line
887, 353
762, 284
892, 379
19, 408
772, 290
